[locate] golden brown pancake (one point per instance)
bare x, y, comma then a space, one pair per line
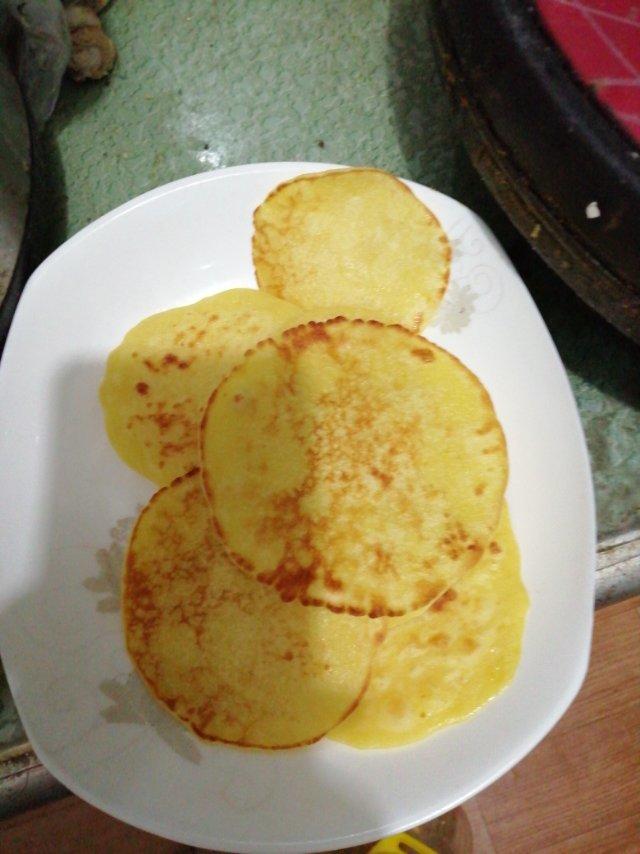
352, 237
353, 465
441, 666
161, 375
223, 653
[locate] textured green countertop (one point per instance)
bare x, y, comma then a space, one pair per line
201, 85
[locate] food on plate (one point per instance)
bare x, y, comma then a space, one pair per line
161, 375
442, 665
353, 237
223, 653
330, 553
353, 465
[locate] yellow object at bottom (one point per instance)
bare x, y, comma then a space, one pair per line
400, 844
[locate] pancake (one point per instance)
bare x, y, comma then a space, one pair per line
223, 653
353, 465
352, 237
161, 375
440, 667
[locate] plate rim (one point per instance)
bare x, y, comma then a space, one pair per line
570, 689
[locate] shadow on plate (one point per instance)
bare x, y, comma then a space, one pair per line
87, 713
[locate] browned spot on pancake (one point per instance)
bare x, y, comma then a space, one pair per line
383, 564
216, 525
494, 449
164, 421
385, 479
302, 337
380, 635
171, 359
439, 639
142, 388
171, 449
427, 591
331, 582
424, 354
290, 582
486, 428
355, 612
443, 601
151, 366
469, 645
494, 548
453, 544
462, 534
480, 488
378, 607
238, 398
288, 655
193, 342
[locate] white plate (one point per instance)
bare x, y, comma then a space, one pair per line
63, 490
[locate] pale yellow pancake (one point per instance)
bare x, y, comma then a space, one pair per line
354, 465
223, 653
352, 237
441, 666
161, 375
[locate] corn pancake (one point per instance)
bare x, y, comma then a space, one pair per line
440, 667
353, 465
223, 653
352, 237
161, 375
321, 315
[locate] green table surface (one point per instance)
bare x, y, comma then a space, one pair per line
204, 84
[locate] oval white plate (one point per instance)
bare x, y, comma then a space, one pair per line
67, 501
